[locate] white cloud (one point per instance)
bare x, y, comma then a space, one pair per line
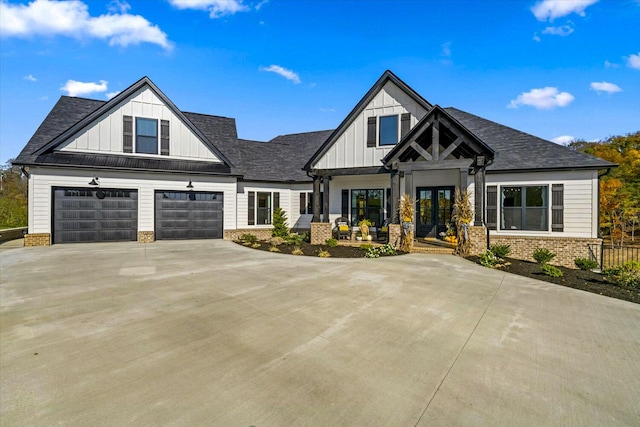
76, 88
287, 74
328, 110
551, 9
72, 19
605, 87
608, 64
563, 31
44, 98
446, 49
216, 8
30, 78
634, 61
110, 95
543, 99
563, 139
536, 37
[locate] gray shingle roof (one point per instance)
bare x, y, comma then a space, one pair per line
516, 150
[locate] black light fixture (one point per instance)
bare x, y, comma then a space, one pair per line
190, 185
95, 181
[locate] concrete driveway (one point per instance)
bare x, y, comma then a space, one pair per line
211, 333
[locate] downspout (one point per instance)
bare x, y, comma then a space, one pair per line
598, 225
484, 202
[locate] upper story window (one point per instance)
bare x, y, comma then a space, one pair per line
388, 130
146, 136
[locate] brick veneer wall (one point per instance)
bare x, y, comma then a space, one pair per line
567, 249
394, 234
37, 239
260, 233
477, 239
320, 232
146, 237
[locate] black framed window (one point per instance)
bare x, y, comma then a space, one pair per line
524, 208
367, 204
146, 136
388, 130
306, 203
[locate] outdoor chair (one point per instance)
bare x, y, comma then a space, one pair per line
342, 228
383, 232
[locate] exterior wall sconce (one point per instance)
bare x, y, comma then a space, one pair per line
190, 185
95, 181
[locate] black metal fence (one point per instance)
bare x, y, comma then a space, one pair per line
611, 255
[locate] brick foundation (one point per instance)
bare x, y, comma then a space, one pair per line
394, 234
567, 249
146, 237
320, 232
37, 239
477, 239
260, 233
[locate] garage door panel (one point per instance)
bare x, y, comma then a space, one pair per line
100, 215
188, 215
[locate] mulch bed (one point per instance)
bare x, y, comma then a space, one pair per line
578, 279
312, 250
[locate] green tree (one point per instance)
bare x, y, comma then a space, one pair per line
13, 197
280, 228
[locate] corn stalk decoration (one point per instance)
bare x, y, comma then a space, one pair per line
407, 211
462, 214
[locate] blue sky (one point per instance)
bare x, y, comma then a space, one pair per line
553, 68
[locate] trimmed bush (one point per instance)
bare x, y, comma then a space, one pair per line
626, 275
332, 243
501, 251
543, 255
366, 247
297, 251
248, 238
255, 245
324, 254
276, 241
372, 253
586, 263
274, 249
551, 270
295, 239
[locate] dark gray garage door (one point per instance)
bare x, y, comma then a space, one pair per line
94, 215
188, 215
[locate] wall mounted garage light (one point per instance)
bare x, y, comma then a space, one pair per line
95, 181
190, 185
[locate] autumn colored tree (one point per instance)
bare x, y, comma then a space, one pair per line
620, 189
13, 197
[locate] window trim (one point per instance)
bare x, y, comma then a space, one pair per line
308, 203
136, 135
523, 208
274, 202
383, 212
379, 133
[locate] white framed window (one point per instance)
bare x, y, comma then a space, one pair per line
261, 205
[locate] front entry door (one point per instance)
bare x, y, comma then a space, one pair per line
434, 206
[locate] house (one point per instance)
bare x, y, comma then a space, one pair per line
138, 168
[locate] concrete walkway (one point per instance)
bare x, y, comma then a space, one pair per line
212, 333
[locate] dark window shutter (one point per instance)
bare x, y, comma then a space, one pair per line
251, 218
492, 207
557, 207
309, 203
127, 134
371, 131
345, 204
164, 137
303, 203
405, 124
276, 200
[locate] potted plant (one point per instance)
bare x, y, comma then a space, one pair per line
364, 228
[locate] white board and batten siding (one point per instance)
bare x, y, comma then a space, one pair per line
43, 180
580, 200
350, 149
105, 135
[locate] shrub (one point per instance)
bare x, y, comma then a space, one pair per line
586, 263
332, 243
488, 259
551, 270
626, 275
324, 254
276, 241
297, 251
248, 238
306, 236
543, 255
501, 251
280, 228
366, 247
255, 245
295, 239
274, 249
387, 249
372, 253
